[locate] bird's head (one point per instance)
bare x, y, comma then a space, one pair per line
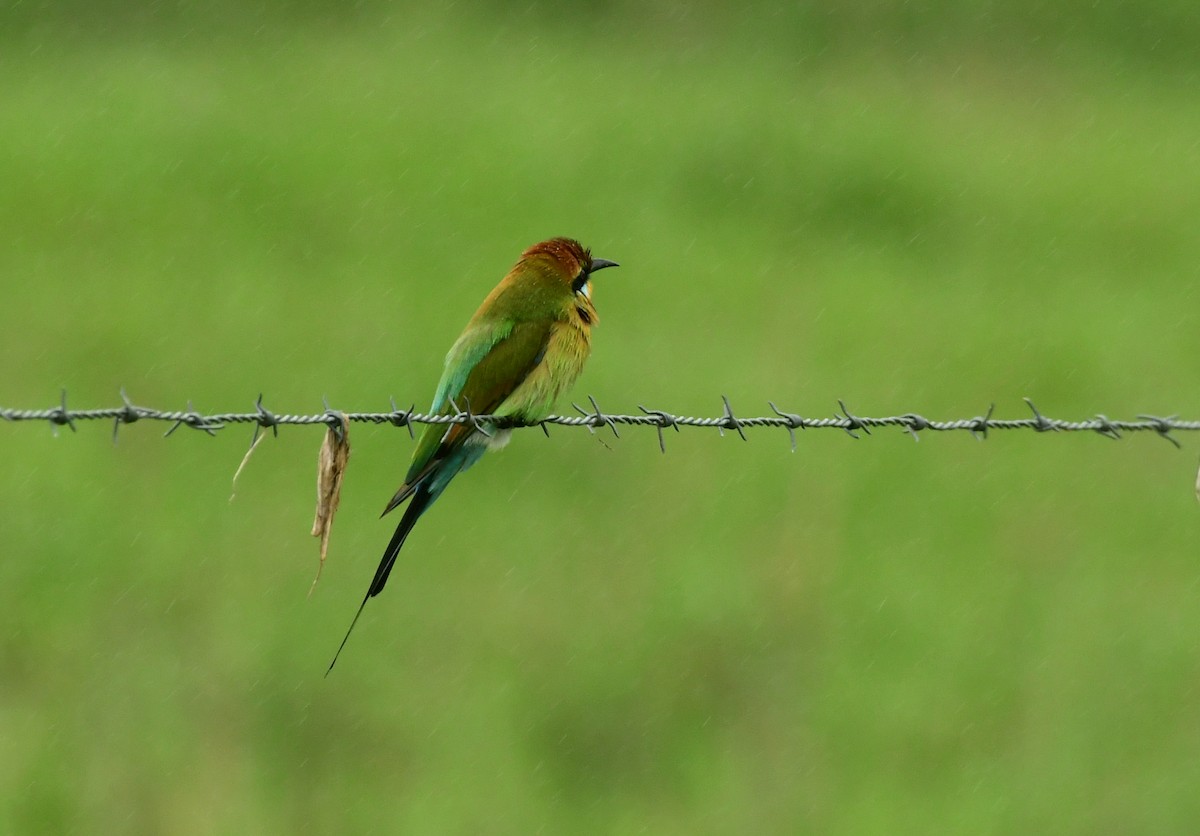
568, 261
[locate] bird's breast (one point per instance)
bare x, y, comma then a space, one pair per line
567, 348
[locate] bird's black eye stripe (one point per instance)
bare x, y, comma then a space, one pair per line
580, 281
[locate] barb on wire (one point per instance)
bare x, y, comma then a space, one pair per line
400, 417
666, 419
595, 418
853, 421
729, 421
592, 419
266, 418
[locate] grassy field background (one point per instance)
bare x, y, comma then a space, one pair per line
913, 207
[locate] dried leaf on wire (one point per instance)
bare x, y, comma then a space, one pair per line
331, 467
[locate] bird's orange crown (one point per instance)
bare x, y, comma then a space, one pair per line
571, 257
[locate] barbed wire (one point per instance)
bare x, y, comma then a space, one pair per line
595, 418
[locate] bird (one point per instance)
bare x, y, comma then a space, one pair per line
525, 346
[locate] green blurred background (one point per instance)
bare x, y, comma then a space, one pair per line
925, 206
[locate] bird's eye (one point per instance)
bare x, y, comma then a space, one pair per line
580, 282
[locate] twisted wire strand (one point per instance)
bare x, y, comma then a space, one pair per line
595, 418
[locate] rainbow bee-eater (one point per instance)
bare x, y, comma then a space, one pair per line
525, 345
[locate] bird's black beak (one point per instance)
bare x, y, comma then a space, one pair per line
600, 264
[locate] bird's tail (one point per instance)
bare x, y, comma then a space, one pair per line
421, 500
416, 507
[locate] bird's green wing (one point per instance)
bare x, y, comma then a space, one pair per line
483, 368
501, 369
